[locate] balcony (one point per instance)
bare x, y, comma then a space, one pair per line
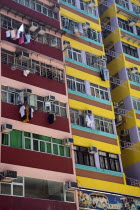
40, 118
36, 47
12, 203
41, 160
33, 79
29, 13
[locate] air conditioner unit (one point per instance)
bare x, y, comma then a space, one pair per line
56, 8
89, 112
8, 176
124, 132
71, 186
33, 27
48, 106
115, 104
42, 30
6, 128
132, 22
50, 98
92, 150
134, 70
92, 3
66, 44
103, 58
27, 91
24, 56
54, 42
68, 142
86, 25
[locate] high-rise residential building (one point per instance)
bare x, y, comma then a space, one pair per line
70, 113
36, 156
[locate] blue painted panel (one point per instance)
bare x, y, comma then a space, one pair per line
99, 170
89, 97
135, 83
90, 130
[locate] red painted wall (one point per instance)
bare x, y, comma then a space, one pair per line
33, 15
36, 160
18, 203
40, 118
33, 79
36, 47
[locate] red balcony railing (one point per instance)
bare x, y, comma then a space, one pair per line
40, 118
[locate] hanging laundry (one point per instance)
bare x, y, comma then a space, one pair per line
28, 38
22, 111
8, 34
88, 121
21, 39
26, 113
13, 34
51, 118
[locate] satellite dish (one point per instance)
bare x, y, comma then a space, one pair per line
13, 67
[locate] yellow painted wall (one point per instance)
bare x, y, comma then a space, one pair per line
135, 93
84, 142
95, 110
79, 19
130, 156
108, 186
117, 64
84, 76
80, 46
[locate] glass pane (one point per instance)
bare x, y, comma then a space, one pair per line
35, 145
61, 149
17, 190
5, 138
49, 150
42, 146
57, 141
70, 196
6, 189
16, 138
18, 180
67, 152
27, 134
27, 143
55, 149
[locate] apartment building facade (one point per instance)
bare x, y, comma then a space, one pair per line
36, 158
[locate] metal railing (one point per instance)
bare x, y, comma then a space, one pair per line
122, 3
33, 66
125, 26
129, 146
133, 182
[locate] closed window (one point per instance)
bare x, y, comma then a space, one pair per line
95, 61
99, 91
74, 54
125, 25
136, 8
109, 161
76, 84
85, 7
77, 117
130, 50
72, 2
39, 7
92, 34
133, 77
123, 3
82, 156
136, 103
10, 95
103, 124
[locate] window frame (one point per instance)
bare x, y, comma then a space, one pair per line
98, 91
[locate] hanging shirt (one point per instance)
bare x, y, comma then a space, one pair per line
21, 39
8, 34
13, 35
28, 38
22, 110
88, 121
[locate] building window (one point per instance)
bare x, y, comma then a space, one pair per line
99, 91
109, 161
13, 96
74, 54
35, 142
85, 7
136, 8
76, 84
130, 50
138, 30
77, 117
72, 2
133, 77
37, 188
69, 24
95, 61
35, 67
103, 124
122, 3
92, 34
125, 25
82, 156
136, 103
39, 7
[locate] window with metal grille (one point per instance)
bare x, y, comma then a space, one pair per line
130, 50
76, 84
103, 124
74, 54
77, 117
99, 91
